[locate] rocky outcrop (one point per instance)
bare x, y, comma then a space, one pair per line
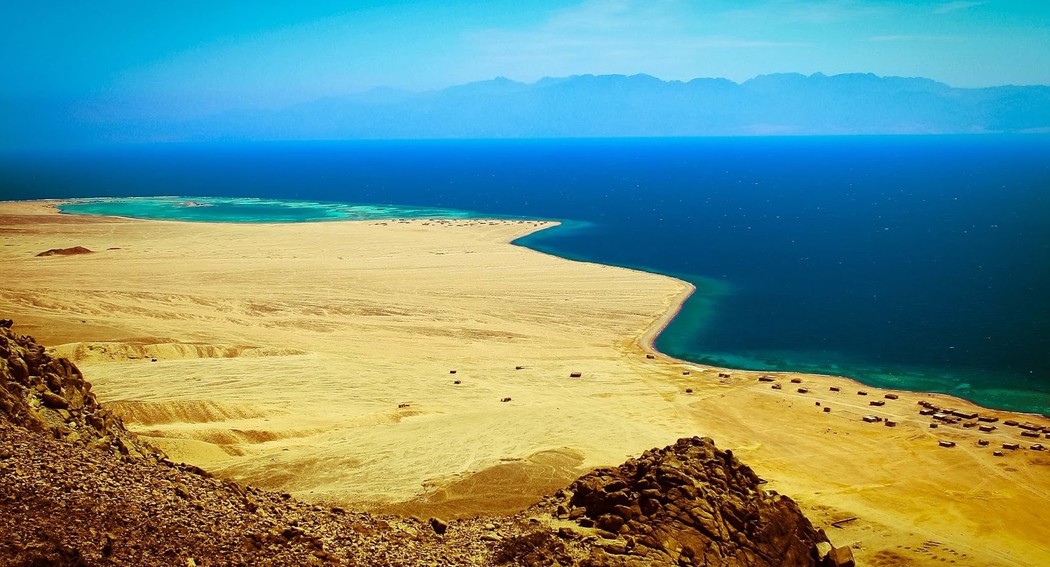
689, 504
50, 395
65, 251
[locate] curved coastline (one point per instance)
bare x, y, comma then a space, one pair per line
645, 341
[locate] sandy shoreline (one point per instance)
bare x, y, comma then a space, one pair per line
333, 311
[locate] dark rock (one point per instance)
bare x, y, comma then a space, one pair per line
839, 557
438, 525
53, 400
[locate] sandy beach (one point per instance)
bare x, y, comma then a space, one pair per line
425, 367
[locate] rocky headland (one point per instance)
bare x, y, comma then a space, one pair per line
77, 488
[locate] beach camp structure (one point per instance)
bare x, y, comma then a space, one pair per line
796, 380
933, 426
861, 393
964, 414
876, 403
1038, 447
997, 453
650, 356
457, 381
1030, 434
451, 371
505, 400
870, 419
926, 411
988, 418
402, 405
835, 389
891, 396
686, 373
890, 423
575, 374
986, 428
775, 386
689, 390
944, 443
803, 391
827, 409
969, 424
1010, 422
982, 442
765, 378
1011, 446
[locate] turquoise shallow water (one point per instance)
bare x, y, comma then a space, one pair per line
247, 209
914, 262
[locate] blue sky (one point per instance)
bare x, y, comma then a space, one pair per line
200, 56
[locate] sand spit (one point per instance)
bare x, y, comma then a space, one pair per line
363, 409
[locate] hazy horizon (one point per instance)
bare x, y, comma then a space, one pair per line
114, 61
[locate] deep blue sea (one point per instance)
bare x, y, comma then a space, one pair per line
919, 263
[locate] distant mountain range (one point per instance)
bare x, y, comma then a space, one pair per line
628, 106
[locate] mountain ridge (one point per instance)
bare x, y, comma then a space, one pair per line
577, 106
645, 106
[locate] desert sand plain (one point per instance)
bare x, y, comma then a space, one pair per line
316, 359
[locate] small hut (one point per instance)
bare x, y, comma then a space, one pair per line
835, 389
944, 443
891, 396
575, 374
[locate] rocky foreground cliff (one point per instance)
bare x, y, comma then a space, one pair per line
76, 488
